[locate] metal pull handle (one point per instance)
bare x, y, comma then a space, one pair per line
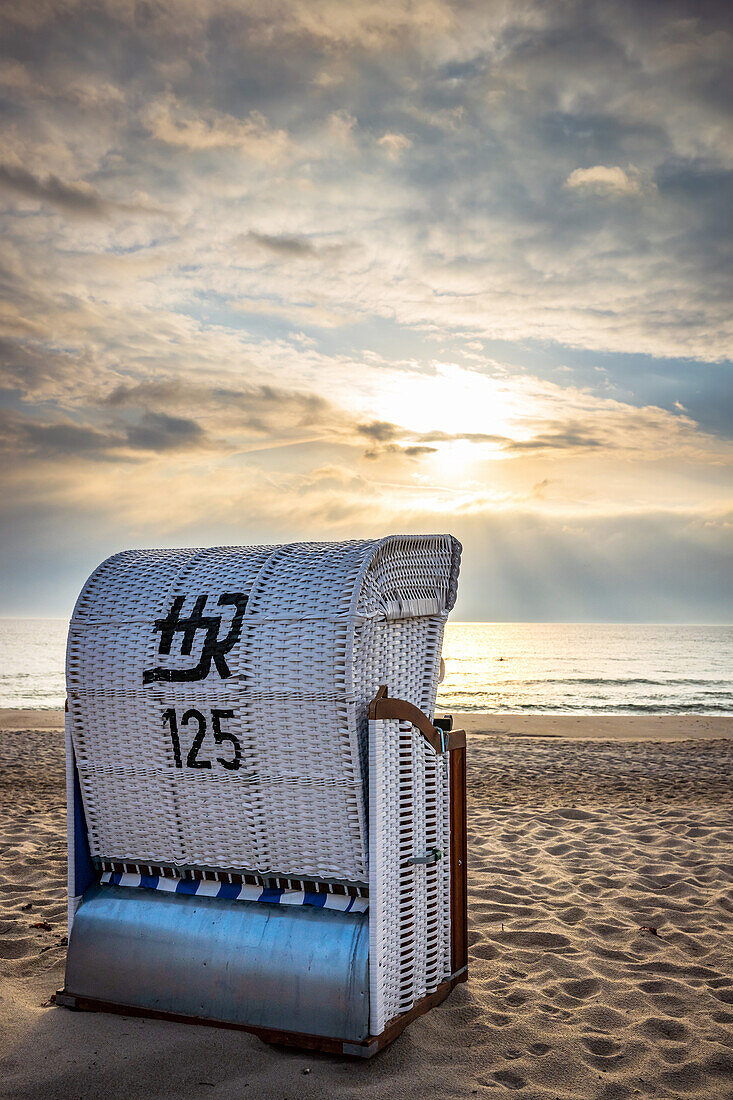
433, 856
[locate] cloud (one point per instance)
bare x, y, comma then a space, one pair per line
605, 181
295, 247
14, 75
414, 450
472, 260
538, 418
418, 450
68, 439
89, 92
394, 145
176, 123
342, 127
25, 437
257, 410
28, 366
160, 432
139, 394
78, 199
292, 247
378, 430
477, 233
567, 439
540, 488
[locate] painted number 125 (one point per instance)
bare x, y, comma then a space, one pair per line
232, 762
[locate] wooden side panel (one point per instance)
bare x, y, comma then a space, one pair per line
458, 854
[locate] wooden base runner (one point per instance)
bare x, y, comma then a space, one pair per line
367, 1048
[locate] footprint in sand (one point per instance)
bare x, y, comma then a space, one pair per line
599, 1045
602, 1018
661, 1027
515, 1000
484, 951
509, 1080
674, 1055
16, 948
582, 988
685, 1078
574, 815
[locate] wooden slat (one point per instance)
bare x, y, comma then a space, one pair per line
458, 854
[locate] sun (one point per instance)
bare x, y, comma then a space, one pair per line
453, 401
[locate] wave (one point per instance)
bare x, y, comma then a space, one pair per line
602, 681
498, 688
460, 704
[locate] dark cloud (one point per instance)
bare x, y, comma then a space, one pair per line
137, 394
159, 432
378, 430
26, 365
24, 437
68, 439
291, 247
74, 198
414, 444
258, 408
263, 405
28, 437
415, 450
570, 439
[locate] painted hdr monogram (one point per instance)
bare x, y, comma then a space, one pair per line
213, 649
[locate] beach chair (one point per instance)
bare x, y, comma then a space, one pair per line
266, 826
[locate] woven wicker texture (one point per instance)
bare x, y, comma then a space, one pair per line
409, 817
218, 698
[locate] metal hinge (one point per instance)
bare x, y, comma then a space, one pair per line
433, 856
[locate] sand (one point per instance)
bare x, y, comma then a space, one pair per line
582, 834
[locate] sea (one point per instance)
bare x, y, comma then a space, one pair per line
520, 668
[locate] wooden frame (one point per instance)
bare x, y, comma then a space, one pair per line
458, 862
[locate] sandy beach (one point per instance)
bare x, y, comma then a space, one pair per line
601, 909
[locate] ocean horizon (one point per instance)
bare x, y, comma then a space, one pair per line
521, 668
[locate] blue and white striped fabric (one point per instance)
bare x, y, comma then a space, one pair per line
236, 891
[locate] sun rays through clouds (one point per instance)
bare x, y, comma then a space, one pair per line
313, 270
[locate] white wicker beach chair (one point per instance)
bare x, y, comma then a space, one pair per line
266, 828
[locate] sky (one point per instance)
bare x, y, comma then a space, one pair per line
315, 270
